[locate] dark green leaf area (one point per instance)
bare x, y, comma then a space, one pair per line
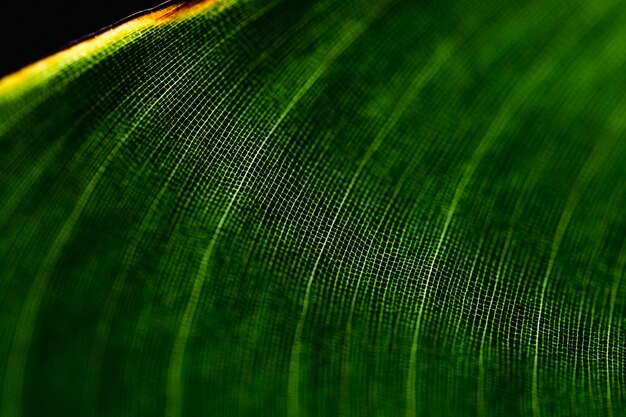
322, 208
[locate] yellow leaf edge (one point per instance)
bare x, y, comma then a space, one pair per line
42, 70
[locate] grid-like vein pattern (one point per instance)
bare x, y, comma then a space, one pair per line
322, 208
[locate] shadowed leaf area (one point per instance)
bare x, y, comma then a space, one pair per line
320, 208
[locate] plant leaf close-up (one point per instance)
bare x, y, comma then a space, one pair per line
319, 208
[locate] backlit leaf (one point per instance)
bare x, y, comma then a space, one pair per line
319, 208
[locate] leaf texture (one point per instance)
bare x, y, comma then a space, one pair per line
318, 208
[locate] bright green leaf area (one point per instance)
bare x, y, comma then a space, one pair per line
322, 208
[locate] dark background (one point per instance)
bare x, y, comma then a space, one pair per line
32, 30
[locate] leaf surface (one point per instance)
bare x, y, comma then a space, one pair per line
319, 208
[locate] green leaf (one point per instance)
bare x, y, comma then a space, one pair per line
319, 208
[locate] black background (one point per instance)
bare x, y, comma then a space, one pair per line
32, 30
